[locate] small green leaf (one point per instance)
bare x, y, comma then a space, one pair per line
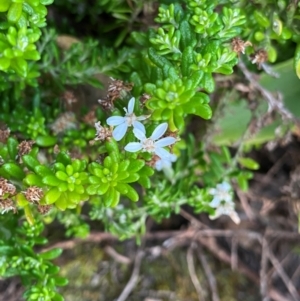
4, 5
43, 170
12, 146
14, 12
30, 162
33, 180
61, 281
249, 163
14, 171
52, 196
51, 180
45, 141
92, 189
51, 254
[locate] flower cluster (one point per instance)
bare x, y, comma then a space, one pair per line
222, 202
153, 144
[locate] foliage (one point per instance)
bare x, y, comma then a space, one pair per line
115, 162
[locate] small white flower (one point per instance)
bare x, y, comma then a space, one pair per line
164, 163
221, 193
226, 208
152, 144
122, 123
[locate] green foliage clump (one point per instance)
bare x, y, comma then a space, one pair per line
74, 162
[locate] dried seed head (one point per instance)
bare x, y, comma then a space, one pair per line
239, 46
102, 132
144, 98
4, 134
7, 205
64, 122
6, 188
34, 194
69, 98
44, 209
118, 89
260, 57
90, 117
25, 147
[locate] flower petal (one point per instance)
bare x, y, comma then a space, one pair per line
165, 141
133, 147
120, 131
138, 125
215, 202
159, 131
143, 117
140, 132
162, 153
115, 120
131, 105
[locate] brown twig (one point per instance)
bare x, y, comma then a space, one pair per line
274, 104
192, 272
134, 277
290, 286
263, 271
116, 256
209, 274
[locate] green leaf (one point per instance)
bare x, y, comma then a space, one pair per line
112, 198
249, 163
61, 281
52, 196
46, 2
132, 194
135, 165
14, 12
51, 180
51, 254
297, 61
43, 170
63, 158
4, 63
92, 189
46, 141
13, 170
12, 147
4, 5
145, 182
30, 162
102, 188
33, 180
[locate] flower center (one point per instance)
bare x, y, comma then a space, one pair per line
130, 119
148, 145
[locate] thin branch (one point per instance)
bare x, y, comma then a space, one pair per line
290, 286
192, 272
116, 256
263, 271
209, 275
274, 104
134, 277
234, 257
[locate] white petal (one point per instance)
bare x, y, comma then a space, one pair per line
143, 117
162, 153
139, 126
159, 131
165, 141
131, 105
212, 191
133, 147
120, 131
115, 120
215, 202
140, 133
224, 186
235, 217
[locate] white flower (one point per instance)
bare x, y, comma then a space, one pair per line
122, 123
152, 144
221, 193
164, 163
226, 208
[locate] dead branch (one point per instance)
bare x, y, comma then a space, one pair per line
209, 274
134, 277
192, 272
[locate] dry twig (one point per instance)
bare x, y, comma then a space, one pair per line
134, 277
192, 272
209, 274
